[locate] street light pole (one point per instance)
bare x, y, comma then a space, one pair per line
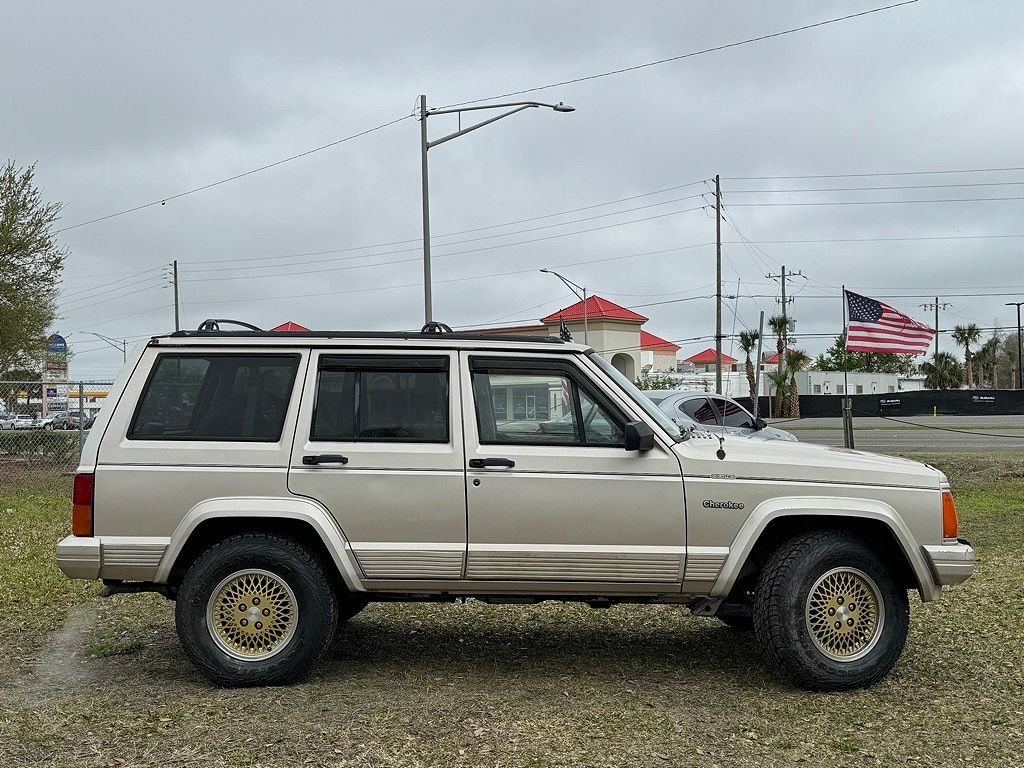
426, 144
121, 345
1020, 344
581, 293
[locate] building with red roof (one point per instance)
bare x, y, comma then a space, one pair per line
289, 326
707, 360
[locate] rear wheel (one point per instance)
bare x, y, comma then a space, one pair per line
255, 609
828, 612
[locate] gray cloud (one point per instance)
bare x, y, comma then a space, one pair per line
125, 103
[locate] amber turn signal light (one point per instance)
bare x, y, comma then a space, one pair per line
81, 505
950, 524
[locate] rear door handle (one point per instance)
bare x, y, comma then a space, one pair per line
324, 459
482, 463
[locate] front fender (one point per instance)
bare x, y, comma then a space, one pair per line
831, 506
283, 508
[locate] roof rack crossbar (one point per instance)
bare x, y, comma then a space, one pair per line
214, 325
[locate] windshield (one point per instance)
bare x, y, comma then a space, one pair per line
637, 396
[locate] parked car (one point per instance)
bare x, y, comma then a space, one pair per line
326, 471
26, 421
73, 418
6, 420
715, 413
54, 420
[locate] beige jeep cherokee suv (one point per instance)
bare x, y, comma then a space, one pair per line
274, 484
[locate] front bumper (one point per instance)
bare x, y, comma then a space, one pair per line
950, 563
79, 557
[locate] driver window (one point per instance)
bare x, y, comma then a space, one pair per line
539, 408
699, 409
733, 414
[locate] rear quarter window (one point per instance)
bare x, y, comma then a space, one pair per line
223, 397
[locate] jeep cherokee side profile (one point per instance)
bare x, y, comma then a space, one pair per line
275, 484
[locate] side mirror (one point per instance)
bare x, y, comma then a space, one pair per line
639, 436
760, 423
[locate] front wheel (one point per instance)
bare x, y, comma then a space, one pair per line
255, 609
829, 614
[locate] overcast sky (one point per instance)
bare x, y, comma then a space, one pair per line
121, 104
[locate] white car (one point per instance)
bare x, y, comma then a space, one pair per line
715, 413
6, 420
25, 421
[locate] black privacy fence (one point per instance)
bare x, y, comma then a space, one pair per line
944, 402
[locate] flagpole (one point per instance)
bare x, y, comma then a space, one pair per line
847, 402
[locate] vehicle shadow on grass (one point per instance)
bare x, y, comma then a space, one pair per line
490, 645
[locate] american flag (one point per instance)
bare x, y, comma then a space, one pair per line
877, 327
563, 330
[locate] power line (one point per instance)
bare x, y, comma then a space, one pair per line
291, 265
874, 174
878, 202
237, 176
877, 189
680, 57
445, 255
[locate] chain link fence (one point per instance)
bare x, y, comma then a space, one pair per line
43, 425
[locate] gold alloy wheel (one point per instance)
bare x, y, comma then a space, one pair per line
252, 615
845, 614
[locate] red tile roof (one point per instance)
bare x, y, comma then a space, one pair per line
708, 356
773, 358
597, 307
650, 341
290, 326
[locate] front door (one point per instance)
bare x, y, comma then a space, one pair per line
553, 496
379, 443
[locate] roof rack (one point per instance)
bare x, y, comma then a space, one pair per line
211, 328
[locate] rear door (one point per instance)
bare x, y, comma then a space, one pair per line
379, 443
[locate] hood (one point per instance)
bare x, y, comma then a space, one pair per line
793, 461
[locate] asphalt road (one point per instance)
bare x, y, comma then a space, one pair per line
879, 435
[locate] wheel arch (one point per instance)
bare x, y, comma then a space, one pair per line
778, 520
296, 518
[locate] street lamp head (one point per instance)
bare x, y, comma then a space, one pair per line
560, 107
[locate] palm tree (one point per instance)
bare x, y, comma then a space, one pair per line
779, 325
943, 371
965, 335
748, 343
795, 359
987, 360
779, 380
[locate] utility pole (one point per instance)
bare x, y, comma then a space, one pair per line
785, 326
1020, 344
177, 315
718, 284
936, 305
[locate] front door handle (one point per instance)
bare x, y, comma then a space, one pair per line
482, 463
324, 459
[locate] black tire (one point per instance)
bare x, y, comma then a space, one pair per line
781, 607
738, 622
285, 560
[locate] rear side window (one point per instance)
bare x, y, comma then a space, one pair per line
216, 397
381, 399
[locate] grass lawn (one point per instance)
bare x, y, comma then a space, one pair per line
92, 682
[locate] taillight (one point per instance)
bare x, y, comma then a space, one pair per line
950, 524
81, 505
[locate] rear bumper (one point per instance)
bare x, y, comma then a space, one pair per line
79, 557
950, 563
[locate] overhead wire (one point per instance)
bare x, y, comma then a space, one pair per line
235, 177
680, 57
